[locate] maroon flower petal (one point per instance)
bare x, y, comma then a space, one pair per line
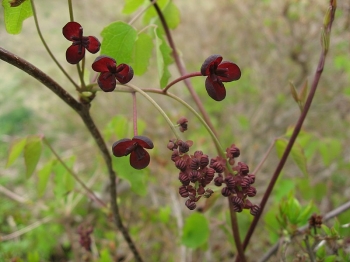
216, 90
233, 71
72, 54
126, 73
106, 81
102, 63
71, 29
139, 158
119, 148
210, 63
94, 45
143, 141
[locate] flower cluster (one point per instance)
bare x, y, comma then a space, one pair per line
197, 172
106, 65
237, 187
194, 173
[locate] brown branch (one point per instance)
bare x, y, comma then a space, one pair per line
84, 113
195, 97
325, 42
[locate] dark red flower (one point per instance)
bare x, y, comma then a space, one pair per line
73, 31
110, 72
218, 71
139, 157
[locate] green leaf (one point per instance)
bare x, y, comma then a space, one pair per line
326, 230
142, 53
331, 258
15, 150
136, 178
43, 175
33, 257
151, 15
293, 210
306, 213
164, 214
131, 6
195, 231
32, 152
117, 127
118, 41
296, 153
330, 149
172, 15
105, 256
164, 58
64, 181
14, 16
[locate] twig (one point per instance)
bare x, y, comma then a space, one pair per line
26, 229
83, 111
325, 218
325, 44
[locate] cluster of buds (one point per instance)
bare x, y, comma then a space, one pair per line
85, 238
197, 172
238, 185
194, 173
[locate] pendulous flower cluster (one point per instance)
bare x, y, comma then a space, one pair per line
194, 173
197, 171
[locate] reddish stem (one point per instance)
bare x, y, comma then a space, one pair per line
134, 113
180, 79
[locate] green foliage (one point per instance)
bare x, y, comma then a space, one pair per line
43, 176
297, 154
131, 6
137, 178
14, 16
164, 58
118, 41
64, 181
292, 214
15, 150
195, 231
32, 152
142, 53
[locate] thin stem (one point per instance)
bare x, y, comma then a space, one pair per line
81, 77
267, 153
235, 231
75, 176
297, 128
70, 7
182, 69
309, 249
47, 47
154, 103
83, 111
134, 113
180, 79
26, 229
137, 16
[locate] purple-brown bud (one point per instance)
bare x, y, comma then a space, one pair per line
255, 210
251, 191
183, 192
183, 124
244, 169
190, 204
225, 191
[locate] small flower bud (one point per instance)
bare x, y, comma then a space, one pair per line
184, 179
232, 152
181, 164
200, 190
183, 124
194, 163
244, 169
225, 191
237, 200
251, 178
245, 182
255, 210
183, 192
194, 175
218, 180
251, 191
204, 161
190, 204
230, 181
